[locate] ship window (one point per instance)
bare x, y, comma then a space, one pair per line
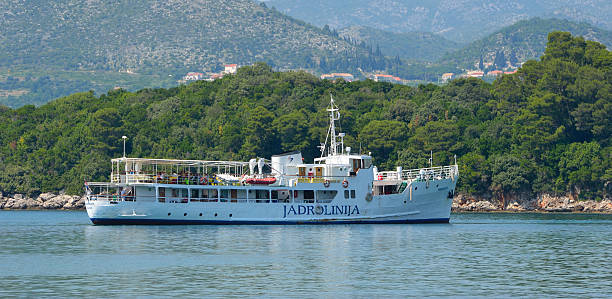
211, 194
262, 196
308, 194
352, 193
162, 192
283, 195
346, 194
185, 192
224, 195
367, 163
326, 196
194, 193
280, 195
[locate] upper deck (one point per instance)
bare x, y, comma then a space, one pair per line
168, 171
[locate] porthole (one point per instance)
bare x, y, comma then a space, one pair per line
169, 214
230, 215
215, 214
416, 188
200, 214
184, 214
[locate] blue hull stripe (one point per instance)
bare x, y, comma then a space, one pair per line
110, 221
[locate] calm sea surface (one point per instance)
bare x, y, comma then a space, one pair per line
48, 253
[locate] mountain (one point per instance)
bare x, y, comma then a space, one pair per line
72, 45
420, 46
520, 42
458, 20
161, 37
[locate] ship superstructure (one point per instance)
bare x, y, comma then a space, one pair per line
338, 187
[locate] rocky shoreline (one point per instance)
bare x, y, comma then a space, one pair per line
541, 203
45, 201
461, 203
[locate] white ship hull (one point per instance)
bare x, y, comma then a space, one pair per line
426, 205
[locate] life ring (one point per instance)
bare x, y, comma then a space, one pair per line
203, 181
368, 196
326, 183
345, 184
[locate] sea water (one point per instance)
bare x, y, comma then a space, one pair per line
55, 253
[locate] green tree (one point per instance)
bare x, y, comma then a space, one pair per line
581, 168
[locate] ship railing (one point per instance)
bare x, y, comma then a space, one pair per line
430, 173
319, 179
183, 179
198, 179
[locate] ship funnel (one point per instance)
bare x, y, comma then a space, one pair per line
252, 164
260, 165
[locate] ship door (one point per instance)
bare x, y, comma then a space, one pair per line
319, 171
302, 171
356, 164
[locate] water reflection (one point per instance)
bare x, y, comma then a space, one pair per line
61, 253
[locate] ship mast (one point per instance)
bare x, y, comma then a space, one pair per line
334, 115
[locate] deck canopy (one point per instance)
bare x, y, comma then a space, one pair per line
147, 170
172, 162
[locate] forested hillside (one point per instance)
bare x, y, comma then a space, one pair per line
546, 128
420, 46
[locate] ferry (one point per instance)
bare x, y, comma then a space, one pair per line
339, 187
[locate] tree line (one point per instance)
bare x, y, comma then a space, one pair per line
544, 129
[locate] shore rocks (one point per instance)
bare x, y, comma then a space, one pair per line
543, 203
461, 203
43, 201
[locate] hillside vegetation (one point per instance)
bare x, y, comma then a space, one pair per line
546, 128
458, 20
520, 42
73, 45
421, 46
156, 37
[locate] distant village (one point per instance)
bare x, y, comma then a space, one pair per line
377, 77
195, 76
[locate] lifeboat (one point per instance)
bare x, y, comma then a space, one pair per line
261, 181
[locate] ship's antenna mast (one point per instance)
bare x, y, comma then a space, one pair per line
334, 115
